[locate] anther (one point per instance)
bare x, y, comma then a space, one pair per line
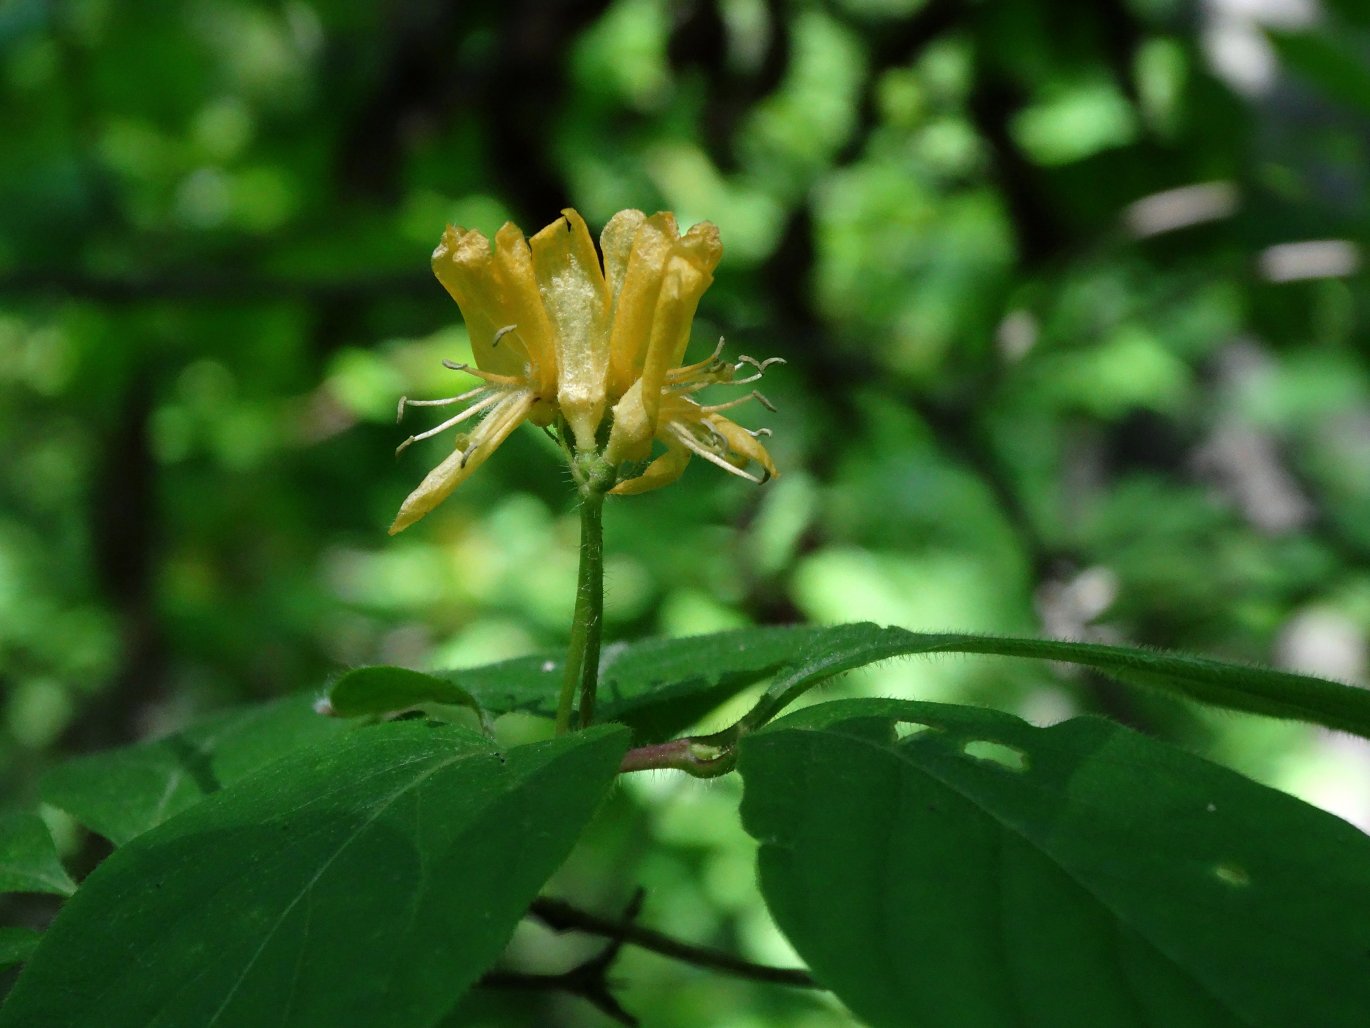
742, 358
486, 376
500, 334
763, 401
760, 367
399, 412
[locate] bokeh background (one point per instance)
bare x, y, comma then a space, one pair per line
1071, 294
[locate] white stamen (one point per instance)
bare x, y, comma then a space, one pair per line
753, 395
695, 446
471, 411
676, 374
742, 358
446, 402
488, 376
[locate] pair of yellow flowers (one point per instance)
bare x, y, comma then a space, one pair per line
558, 338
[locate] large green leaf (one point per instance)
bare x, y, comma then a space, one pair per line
16, 944
365, 882
1256, 690
28, 859
946, 865
122, 793
656, 686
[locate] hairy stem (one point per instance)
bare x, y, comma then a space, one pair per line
582, 657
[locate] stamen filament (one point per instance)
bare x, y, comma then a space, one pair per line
488, 376
676, 374
730, 404
686, 388
448, 401
470, 412
695, 446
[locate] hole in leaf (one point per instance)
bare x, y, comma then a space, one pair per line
908, 729
1232, 874
1009, 757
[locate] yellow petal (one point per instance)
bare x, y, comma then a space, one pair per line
703, 246
517, 288
630, 438
495, 291
742, 443
637, 413
616, 243
662, 471
576, 299
636, 298
682, 286
438, 484
463, 264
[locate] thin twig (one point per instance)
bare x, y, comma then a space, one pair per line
578, 981
589, 979
562, 917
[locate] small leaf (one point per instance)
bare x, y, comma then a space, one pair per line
366, 882
947, 865
16, 945
369, 691
28, 859
122, 793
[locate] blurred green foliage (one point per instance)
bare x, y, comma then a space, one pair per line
1073, 309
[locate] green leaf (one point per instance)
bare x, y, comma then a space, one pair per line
1255, 690
16, 945
657, 687
1328, 61
122, 793
366, 882
369, 691
28, 859
946, 865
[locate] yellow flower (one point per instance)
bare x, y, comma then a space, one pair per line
657, 277
558, 338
